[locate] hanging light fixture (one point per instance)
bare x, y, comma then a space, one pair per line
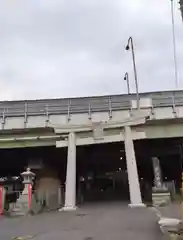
181, 7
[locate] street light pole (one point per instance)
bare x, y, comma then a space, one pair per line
174, 44
130, 41
126, 78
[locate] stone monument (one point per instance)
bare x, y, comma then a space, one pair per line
48, 189
98, 132
160, 194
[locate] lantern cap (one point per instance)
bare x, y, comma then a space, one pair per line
28, 176
28, 173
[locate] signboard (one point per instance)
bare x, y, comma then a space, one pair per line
98, 131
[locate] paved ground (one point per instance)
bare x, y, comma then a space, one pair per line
172, 210
111, 221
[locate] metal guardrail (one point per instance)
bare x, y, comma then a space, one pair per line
84, 105
63, 106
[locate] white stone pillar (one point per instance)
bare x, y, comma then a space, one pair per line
70, 193
133, 179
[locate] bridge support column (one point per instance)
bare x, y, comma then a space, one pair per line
133, 179
70, 193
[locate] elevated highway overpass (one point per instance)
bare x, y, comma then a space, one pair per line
87, 121
43, 122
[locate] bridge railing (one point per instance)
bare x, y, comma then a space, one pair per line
83, 105
174, 99
63, 106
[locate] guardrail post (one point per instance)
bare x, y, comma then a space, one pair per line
68, 110
152, 111
47, 115
174, 105
89, 112
3, 119
110, 107
25, 115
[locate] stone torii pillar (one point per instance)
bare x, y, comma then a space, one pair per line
133, 179
70, 192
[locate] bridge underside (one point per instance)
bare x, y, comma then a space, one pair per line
102, 166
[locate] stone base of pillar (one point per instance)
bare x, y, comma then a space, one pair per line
67, 208
135, 205
160, 199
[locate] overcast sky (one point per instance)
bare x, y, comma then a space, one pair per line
64, 48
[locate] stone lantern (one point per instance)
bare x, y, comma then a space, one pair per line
28, 176
23, 203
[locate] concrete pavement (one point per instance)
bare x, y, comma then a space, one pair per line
172, 210
109, 221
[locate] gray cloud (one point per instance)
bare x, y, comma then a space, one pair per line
60, 48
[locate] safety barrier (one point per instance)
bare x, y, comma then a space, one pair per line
84, 105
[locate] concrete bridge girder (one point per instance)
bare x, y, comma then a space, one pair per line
142, 128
